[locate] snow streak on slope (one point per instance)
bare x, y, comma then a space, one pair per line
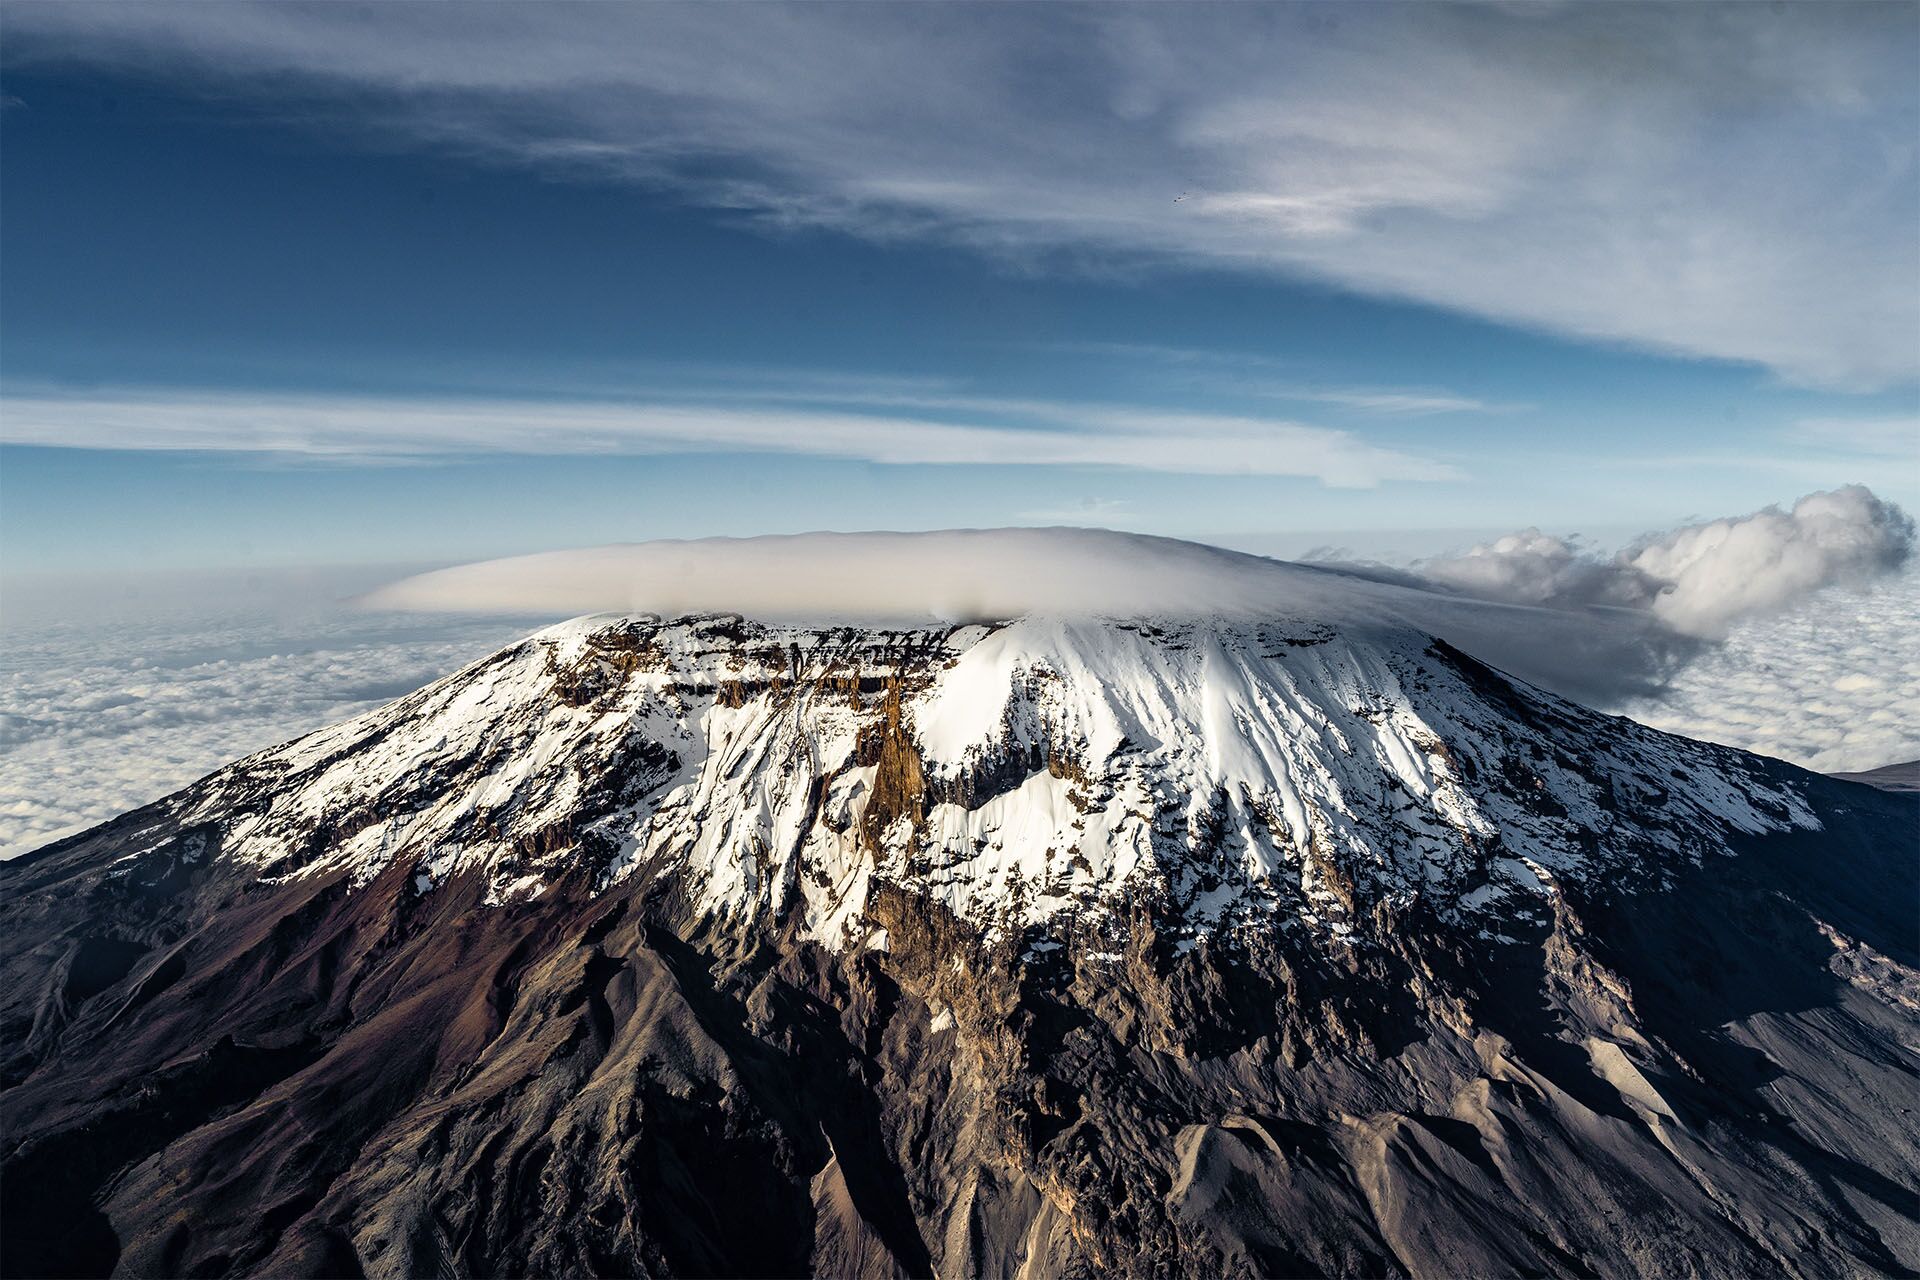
1046, 774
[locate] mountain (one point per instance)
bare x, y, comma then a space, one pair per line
1891, 777
1260, 945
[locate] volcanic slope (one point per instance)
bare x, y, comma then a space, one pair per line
1046, 947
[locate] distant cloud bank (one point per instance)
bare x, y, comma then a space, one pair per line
100, 715
1832, 683
1735, 181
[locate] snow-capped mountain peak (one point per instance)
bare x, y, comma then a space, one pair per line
1037, 777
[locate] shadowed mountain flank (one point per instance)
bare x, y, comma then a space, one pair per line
1893, 777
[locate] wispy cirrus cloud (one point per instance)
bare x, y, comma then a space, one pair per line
1729, 181
949, 430
1392, 401
1276, 378
1890, 437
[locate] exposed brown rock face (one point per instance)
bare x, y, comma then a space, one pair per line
899, 783
207, 1073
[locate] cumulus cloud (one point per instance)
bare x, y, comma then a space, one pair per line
1701, 579
1660, 175
846, 423
1712, 575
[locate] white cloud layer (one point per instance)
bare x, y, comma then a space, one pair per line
1832, 684
1735, 181
946, 430
102, 716
1695, 581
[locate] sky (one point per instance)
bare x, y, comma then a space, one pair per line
290, 290
296, 285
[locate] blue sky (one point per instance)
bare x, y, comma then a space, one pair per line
298, 286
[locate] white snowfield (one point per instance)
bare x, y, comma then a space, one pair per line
1234, 772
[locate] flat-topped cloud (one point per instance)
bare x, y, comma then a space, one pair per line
950, 575
917, 579
1596, 629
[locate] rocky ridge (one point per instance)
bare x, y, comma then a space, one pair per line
1020, 775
